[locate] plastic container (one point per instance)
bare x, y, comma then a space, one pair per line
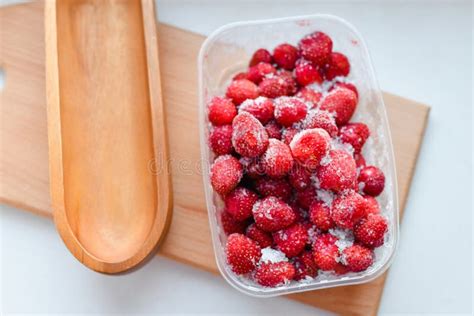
228, 51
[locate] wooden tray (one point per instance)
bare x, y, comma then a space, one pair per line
24, 150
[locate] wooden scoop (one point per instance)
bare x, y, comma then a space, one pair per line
110, 185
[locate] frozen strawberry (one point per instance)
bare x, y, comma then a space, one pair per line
291, 84
306, 73
338, 172
359, 160
242, 253
325, 252
299, 177
337, 65
310, 146
370, 230
288, 134
273, 130
289, 110
310, 95
316, 47
261, 56
279, 188
346, 85
252, 167
320, 215
226, 172
241, 90
260, 70
273, 87
305, 266
347, 209
371, 205
249, 137
240, 75
274, 274
292, 240
221, 111
285, 55
239, 203
262, 238
342, 102
321, 119
354, 134
357, 258
262, 108
272, 214
230, 225
301, 214
306, 197
277, 160
220, 139
372, 180
341, 269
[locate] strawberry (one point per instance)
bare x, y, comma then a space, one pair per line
359, 160
226, 172
346, 85
338, 172
305, 266
316, 47
299, 177
337, 65
354, 134
239, 203
221, 111
273, 130
306, 197
306, 73
240, 75
370, 230
249, 137
372, 180
220, 139
274, 274
347, 209
259, 71
285, 55
310, 146
272, 214
320, 215
288, 134
242, 253
230, 225
321, 119
342, 102
326, 252
273, 87
279, 188
277, 160
262, 238
241, 90
357, 258
291, 84
289, 110
262, 108
371, 205
292, 240
309, 95
261, 55
341, 269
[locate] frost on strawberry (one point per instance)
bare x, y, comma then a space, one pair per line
241, 90
292, 240
226, 172
277, 159
342, 102
289, 110
221, 111
242, 253
249, 137
239, 203
273, 274
272, 214
310, 146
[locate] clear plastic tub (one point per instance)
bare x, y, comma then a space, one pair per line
227, 51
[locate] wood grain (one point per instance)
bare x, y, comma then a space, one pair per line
24, 172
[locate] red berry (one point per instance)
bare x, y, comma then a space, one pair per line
320, 215
373, 180
347, 209
274, 274
354, 134
310, 146
326, 252
371, 205
359, 160
221, 111
299, 177
291, 84
306, 197
226, 172
252, 167
258, 72
339, 173
239, 203
292, 240
370, 230
241, 90
289, 110
305, 266
337, 65
288, 134
220, 139
262, 108
279, 188
285, 55
262, 238
272, 214
273, 130
306, 73
341, 269
273, 87
240, 75
342, 102
357, 258
321, 119
316, 47
346, 85
242, 253
230, 225
249, 137
261, 55
310, 95
277, 160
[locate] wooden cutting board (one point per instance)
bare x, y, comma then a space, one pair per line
24, 158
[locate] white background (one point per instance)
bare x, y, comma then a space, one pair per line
420, 50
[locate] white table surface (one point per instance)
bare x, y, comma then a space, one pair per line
420, 50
